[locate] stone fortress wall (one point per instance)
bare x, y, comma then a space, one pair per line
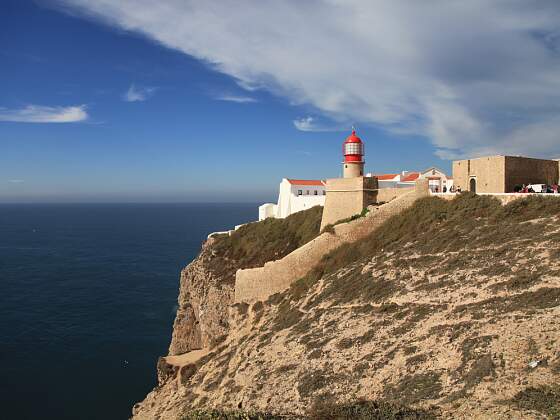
255, 284
488, 171
500, 174
349, 196
521, 170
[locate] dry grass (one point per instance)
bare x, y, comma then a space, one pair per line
254, 244
366, 410
543, 399
434, 226
414, 388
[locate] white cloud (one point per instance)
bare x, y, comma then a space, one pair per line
16, 181
45, 114
311, 124
469, 75
236, 98
138, 94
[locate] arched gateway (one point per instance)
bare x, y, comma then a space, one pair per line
472, 185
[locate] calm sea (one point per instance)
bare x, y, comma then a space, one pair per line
87, 300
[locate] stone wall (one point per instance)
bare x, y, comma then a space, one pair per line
488, 171
521, 170
384, 195
276, 276
255, 284
500, 174
347, 197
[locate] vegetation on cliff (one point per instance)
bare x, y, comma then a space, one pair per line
361, 410
457, 227
449, 308
207, 283
254, 244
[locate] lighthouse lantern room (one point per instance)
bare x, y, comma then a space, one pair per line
353, 150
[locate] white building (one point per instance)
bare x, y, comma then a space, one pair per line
387, 180
437, 179
294, 195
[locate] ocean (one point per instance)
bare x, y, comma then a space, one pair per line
88, 295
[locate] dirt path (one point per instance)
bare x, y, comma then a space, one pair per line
186, 358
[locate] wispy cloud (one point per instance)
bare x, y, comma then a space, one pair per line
45, 114
138, 94
445, 68
312, 124
236, 98
16, 181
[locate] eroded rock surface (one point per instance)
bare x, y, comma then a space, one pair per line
203, 304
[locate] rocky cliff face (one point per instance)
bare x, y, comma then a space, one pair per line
204, 298
206, 287
448, 310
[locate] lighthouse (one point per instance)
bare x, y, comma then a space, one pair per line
353, 150
348, 196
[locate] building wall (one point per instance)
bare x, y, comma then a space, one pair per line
290, 202
489, 173
352, 170
347, 197
304, 202
387, 184
384, 195
438, 179
500, 174
267, 210
522, 170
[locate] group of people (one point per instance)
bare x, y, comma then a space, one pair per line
525, 188
550, 189
452, 189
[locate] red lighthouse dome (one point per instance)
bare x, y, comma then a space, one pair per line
353, 148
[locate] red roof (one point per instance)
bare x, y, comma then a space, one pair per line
353, 138
306, 182
413, 176
386, 177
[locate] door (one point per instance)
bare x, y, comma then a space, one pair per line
472, 185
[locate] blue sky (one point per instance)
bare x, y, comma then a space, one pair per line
177, 101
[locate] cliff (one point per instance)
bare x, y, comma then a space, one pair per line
206, 288
449, 309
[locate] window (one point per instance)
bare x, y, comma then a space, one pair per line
315, 192
299, 192
353, 149
307, 192
324, 192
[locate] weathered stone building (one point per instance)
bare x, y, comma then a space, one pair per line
500, 174
347, 197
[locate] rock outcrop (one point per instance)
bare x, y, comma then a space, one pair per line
204, 298
450, 309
